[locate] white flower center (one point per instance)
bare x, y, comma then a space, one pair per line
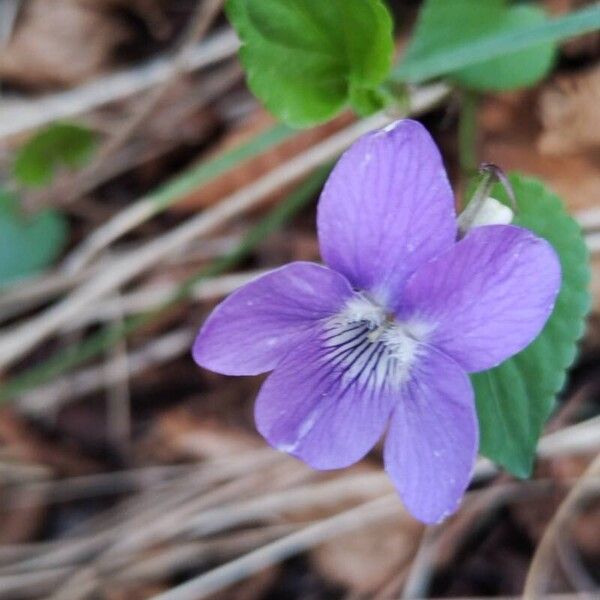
368, 346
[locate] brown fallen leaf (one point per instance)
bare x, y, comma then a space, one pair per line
566, 469
180, 433
363, 562
60, 43
254, 168
534, 513
569, 113
585, 530
24, 443
510, 129
23, 507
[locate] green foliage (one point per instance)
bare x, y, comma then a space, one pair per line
305, 59
514, 70
58, 145
488, 44
447, 24
515, 399
27, 245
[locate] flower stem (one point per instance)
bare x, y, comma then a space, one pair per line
490, 174
467, 134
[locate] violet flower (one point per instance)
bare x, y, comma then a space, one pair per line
385, 334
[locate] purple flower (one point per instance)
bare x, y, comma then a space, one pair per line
385, 334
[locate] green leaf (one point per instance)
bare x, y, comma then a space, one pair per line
515, 70
303, 58
515, 399
58, 145
431, 54
27, 245
447, 24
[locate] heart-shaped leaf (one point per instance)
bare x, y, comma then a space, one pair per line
515, 399
27, 245
446, 25
58, 145
305, 59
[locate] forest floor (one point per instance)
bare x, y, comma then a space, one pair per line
135, 474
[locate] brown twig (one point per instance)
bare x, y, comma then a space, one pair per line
381, 509
21, 115
205, 13
537, 576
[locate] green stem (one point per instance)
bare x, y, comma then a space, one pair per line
475, 203
177, 188
73, 356
467, 134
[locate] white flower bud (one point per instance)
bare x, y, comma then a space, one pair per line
489, 212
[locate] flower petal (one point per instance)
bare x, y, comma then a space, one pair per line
386, 208
310, 409
250, 331
432, 441
488, 297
